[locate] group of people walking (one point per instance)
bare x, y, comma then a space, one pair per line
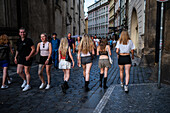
60, 52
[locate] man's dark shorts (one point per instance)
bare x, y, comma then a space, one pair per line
22, 60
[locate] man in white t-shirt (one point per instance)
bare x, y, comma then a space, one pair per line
96, 40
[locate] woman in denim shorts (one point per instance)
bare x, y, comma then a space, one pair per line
84, 58
103, 50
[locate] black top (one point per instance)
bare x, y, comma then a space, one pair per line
70, 42
4, 52
24, 47
103, 53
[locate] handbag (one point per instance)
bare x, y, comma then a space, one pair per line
110, 59
68, 56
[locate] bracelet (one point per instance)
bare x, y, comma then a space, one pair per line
48, 59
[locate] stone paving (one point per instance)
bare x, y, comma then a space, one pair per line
75, 100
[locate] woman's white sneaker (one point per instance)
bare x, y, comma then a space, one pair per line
126, 88
24, 84
4, 87
48, 86
27, 87
42, 86
10, 81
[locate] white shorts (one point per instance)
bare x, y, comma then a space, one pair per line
64, 64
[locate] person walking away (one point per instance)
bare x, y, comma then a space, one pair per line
45, 49
5, 49
124, 46
55, 45
103, 49
23, 58
65, 62
85, 52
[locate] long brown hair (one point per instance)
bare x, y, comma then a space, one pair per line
4, 39
103, 44
124, 37
63, 46
86, 44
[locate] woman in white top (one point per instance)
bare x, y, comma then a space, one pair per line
45, 49
84, 58
124, 46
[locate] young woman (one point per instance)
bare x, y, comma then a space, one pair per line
65, 52
5, 48
124, 46
103, 49
85, 52
77, 43
45, 49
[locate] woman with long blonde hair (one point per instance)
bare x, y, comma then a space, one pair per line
5, 48
65, 58
85, 52
124, 46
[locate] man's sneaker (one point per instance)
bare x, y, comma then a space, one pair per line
27, 87
24, 84
10, 81
126, 88
48, 86
42, 86
4, 87
121, 84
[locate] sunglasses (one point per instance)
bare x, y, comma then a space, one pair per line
43, 45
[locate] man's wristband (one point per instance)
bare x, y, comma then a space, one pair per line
48, 59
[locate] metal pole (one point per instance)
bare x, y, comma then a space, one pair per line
160, 46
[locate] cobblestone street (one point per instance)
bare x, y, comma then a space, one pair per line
143, 94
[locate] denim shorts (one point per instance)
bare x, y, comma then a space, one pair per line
4, 63
85, 60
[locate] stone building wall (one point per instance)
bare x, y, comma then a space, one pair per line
136, 25
152, 40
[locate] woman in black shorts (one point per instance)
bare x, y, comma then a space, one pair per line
124, 46
103, 49
45, 49
84, 58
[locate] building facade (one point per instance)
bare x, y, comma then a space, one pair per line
136, 24
98, 18
111, 16
37, 16
86, 25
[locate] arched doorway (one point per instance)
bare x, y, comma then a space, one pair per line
134, 29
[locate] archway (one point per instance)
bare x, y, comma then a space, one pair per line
134, 29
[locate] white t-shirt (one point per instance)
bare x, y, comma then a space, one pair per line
125, 48
96, 42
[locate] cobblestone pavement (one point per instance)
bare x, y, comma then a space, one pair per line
76, 99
